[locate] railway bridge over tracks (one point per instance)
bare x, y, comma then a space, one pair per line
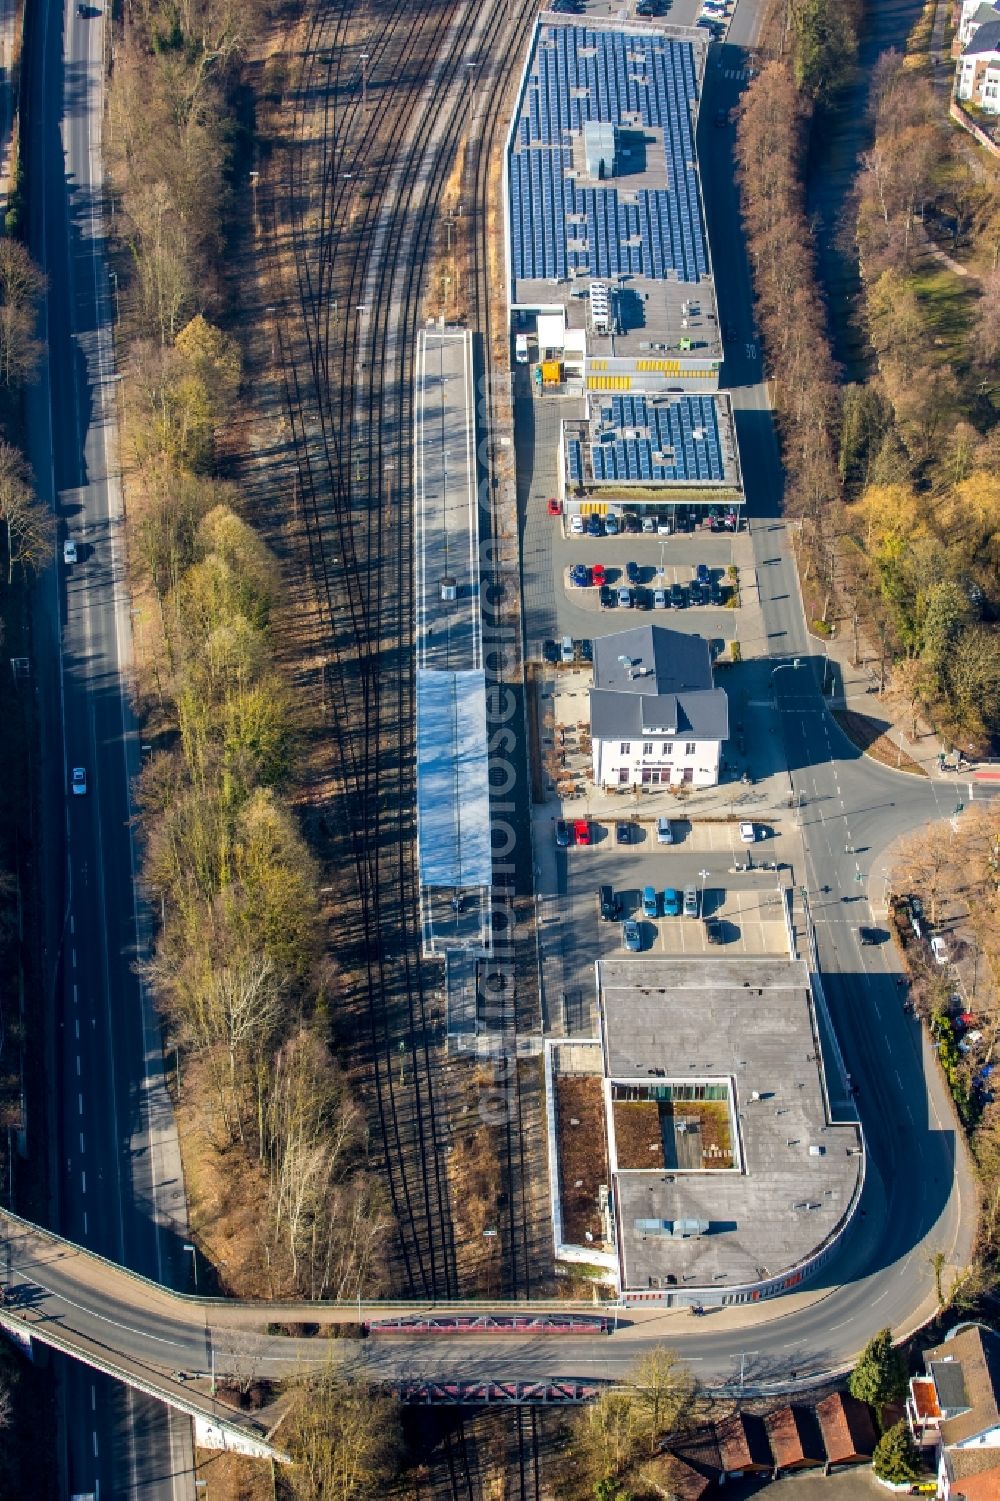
180, 1348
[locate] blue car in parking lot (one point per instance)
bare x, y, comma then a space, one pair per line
650, 902
702, 574
671, 903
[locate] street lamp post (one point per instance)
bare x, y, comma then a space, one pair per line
194, 1261
704, 877
364, 84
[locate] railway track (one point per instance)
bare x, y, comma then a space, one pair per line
362, 231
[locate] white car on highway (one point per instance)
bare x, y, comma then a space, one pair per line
69, 551
78, 781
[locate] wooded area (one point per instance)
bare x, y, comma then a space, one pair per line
241, 970
896, 478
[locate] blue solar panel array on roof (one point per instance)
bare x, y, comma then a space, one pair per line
578, 75
676, 440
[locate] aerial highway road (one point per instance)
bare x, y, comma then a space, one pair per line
115, 1176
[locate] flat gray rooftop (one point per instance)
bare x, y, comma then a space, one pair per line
748, 1021
447, 517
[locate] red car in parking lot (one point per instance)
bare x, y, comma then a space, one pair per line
581, 831
598, 576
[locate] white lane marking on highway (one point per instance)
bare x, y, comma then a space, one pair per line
85, 1231
72, 956
83, 1180
91, 1313
83, 1146
79, 1103
72, 924
78, 1065
94, 1437
76, 996
76, 1024
93, 1397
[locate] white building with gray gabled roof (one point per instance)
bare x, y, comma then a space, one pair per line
656, 717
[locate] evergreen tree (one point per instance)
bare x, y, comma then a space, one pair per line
880, 1375
895, 1458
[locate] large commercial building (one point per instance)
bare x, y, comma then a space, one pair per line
609, 270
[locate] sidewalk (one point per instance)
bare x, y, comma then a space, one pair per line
856, 691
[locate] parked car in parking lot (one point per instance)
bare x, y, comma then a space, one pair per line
585, 649
649, 524
625, 598
631, 936
609, 905
748, 833
702, 574
563, 836
631, 522
650, 902
550, 651
611, 524
579, 575
581, 830
664, 831
690, 901
660, 599
566, 650
713, 930
678, 596
623, 832
598, 575
632, 572
576, 526
592, 526
716, 593
671, 902
641, 598
609, 597
663, 527
696, 593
